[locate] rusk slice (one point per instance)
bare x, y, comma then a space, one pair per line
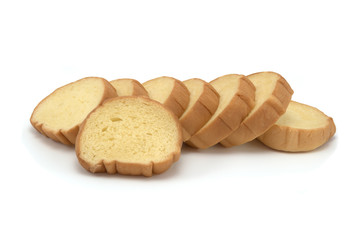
272, 97
59, 115
237, 95
203, 103
129, 135
302, 128
128, 87
169, 91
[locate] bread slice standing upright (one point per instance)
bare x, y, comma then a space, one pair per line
203, 103
272, 97
301, 128
237, 95
129, 135
59, 115
128, 87
169, 91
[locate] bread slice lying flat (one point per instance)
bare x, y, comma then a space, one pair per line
169, 91
302, 128
128, 87
272, 97
237, 95
129, 135
203, 103
59, 115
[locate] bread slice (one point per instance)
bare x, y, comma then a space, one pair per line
169, 91
203, 103
59, 115
272, 97
128, 87
237, 95
129, 135
302, 128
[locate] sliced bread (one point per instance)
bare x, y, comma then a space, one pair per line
237, 95
301, 128
128, 87
59, 115
203, 103
129, 135
272, 97
169, 91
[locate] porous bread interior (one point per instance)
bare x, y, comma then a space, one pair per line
195, 87
265, 83
226, 87
129, 130
160, 88
302, 116
124, 86
69, 105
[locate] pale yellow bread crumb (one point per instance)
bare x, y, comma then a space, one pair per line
129, 135
301, 128
128, 87
59, 115
272, 97
169, 91
237, 95
203, 103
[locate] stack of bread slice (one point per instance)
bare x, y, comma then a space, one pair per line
127, 127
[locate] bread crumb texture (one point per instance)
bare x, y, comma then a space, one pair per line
129, 130
69, 105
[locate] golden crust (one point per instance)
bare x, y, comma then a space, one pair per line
264, 117
124, 168
290, 139
229, 119
178, 99
68, 136
137, 88
201, 111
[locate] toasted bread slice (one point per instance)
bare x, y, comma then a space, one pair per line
237, 95
169, 91
272, 97
203, 103
129, 135
59, 115
301, 128
128, 87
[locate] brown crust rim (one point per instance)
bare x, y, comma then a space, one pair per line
289, 139
229, 119
201, 111
264, 117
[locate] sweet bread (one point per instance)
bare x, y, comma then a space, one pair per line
272, 97
128, 87
203, 103
129, 135
59, 115
169, 91
301, 128
237, 95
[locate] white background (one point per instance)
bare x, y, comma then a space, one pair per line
245, 192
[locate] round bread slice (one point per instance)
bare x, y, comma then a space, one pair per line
169, 91
59, 115
237, 95
302, 128
128, 87
129, 135
272, 97
203, 103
